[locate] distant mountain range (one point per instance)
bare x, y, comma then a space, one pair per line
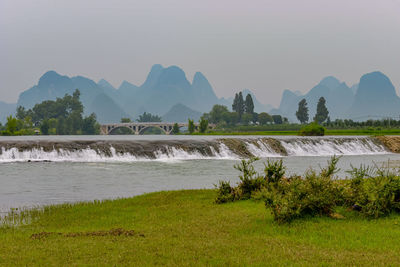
165, 92
181, 113
374, 97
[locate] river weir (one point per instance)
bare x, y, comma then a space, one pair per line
186, 149
42, 170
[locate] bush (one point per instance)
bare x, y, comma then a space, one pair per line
250, 181
380, 196
295, 197
312, 129
203, 125
373, 192
224, 192
274, 171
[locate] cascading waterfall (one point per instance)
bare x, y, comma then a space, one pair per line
333, 146
222, 148
261, 149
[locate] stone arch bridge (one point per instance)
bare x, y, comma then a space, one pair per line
140, 127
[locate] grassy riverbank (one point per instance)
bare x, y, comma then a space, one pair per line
293, 132
187, 228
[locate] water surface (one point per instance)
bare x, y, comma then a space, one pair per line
27, 184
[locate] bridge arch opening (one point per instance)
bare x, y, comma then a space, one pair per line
148, 130
121, 130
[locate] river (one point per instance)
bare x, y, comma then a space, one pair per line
40, 170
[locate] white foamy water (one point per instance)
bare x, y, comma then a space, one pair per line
258, 148
224, 152
91, 155
261, 150
84, 155
179, 154
334, 146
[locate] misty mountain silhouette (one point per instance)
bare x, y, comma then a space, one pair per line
181, 113
168, 93
374, 97
339, 98
162, 91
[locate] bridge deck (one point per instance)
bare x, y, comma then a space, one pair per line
138, 127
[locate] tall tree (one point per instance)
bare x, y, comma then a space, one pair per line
203, 125
44, 128
175, 129
191, 126
302, 111
249, 105
235, 103
240, 104
90, 125
322, 111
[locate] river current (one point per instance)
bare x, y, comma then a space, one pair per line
39, 170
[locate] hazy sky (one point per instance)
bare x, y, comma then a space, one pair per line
265, 46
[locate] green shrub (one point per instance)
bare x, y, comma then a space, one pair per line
296, 197
274, 171
312, 129
380, 196
374, 192
224, 192
250, 181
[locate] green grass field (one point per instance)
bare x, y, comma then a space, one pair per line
392, 131
187, 228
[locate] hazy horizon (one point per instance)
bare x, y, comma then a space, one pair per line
264, 46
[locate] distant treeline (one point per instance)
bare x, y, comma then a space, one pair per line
63, 116
242, 114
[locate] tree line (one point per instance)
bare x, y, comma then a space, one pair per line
63, 116
203, 126
145, 117
242, 114
322, 117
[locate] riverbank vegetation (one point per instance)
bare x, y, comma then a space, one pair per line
312, 129
63, 116
188, 228
373, 192
243, 120
262, 131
